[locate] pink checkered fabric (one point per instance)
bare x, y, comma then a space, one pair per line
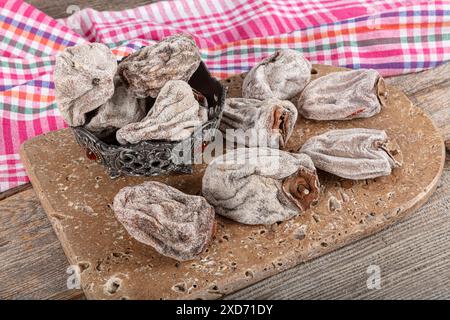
390, 36
219, 22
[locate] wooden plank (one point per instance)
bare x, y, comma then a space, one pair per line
59, 9
32, 263
13, 191
429, 90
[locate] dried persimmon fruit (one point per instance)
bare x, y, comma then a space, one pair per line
175, 224
83, 80
261, 185
343, 95
282, 75
174, 116
258, 123
355, 154
121, 109
147, 70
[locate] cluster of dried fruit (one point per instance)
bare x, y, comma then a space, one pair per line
121, 109
93, 91
264, 116
259, 184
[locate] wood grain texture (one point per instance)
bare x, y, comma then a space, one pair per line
59, 8
32, 263
429, 90
13, 191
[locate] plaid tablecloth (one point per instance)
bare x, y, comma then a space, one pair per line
393, 37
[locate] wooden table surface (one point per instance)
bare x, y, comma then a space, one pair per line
413, 256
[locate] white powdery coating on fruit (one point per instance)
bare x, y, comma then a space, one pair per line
351, 153
258, 118
341, 95
174, 116
282, 75
176, 224
83, 80
121, 109
246, 184
147, 70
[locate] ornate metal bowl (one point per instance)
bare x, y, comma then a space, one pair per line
157, 157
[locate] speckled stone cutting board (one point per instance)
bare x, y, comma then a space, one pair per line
76, 194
